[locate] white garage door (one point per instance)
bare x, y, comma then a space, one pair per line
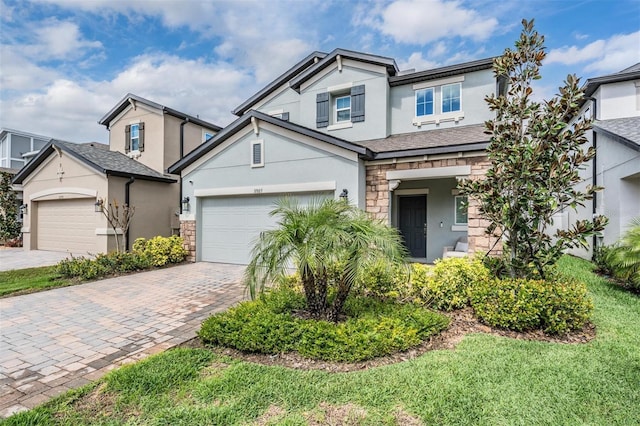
67, 225
231, 225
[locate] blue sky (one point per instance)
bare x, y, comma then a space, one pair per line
65, 63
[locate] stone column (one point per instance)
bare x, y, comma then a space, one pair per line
188, 234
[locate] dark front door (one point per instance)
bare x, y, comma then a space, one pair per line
412, 222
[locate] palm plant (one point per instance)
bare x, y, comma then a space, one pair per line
624, 258
330, 243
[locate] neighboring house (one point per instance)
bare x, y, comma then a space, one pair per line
346, 124
66, 182
613, 101
17, 148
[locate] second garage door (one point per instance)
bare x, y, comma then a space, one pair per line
231, 225
67, 225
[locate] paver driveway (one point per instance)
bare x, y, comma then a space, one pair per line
18, 258
63, 338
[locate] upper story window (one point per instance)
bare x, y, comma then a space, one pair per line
134, 137
343, 109
451, 98
336, 109
424, 102
438, 100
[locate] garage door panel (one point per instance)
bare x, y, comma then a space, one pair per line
232, 225
66, 225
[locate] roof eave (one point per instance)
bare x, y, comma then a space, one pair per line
620, 139
478, 146
388, 63
592, 84
280, 80
479, 65
119, 173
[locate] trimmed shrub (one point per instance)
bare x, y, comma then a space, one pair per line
161, 250
446, 285
373, 328
384, 281
519, 304
102, 265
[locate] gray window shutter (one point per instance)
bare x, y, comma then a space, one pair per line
285, 116
357, 103
322, 109
141, 134
127, 138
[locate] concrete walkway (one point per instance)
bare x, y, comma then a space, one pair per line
19, 258
63, 338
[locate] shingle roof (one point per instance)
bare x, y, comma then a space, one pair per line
108, 162
624, 130
455, 136
466, 67
630, 73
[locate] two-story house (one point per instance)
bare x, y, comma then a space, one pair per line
346, 124
66, 185
613, 101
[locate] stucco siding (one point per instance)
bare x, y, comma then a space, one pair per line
153, 155
376, 98
617, 100
193, 135
60, 178
476, 85
286, 100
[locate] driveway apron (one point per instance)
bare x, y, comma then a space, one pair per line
18, 258
61, 339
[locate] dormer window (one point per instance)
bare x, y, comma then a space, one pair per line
134, 138
343, 109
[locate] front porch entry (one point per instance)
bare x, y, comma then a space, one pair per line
412, 223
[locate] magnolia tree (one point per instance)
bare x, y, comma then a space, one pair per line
9, 224
535, 158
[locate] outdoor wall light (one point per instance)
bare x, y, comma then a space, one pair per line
185, 204
98, 206
344, 196
24, 209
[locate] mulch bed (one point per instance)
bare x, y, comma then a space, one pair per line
463, 322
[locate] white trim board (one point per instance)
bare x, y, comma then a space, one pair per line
430, 173
267, 189
75, 192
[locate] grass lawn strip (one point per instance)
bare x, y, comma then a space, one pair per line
487, 379
31, 280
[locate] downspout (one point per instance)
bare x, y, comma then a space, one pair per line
186, 120
594, 172
127, 201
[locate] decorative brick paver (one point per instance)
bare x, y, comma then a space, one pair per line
63, 338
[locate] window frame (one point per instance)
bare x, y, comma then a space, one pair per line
137, 138
442, 99
260, 143
455, 210
336, 110
433, 101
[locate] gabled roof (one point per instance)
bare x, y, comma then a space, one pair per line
432, 74
630, 73
275, 84
624, 130
6, 130
388, 63
245, 120
111, 163
439, 141
130, 97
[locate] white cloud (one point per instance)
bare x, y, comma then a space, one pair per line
610, 55
417, 62
421, 22
70, 110
58, 40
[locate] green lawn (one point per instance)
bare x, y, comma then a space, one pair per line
486, 380
30, 280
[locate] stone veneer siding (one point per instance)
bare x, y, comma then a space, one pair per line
188, 234
377, 196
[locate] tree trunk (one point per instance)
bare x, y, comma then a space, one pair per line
338, 302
